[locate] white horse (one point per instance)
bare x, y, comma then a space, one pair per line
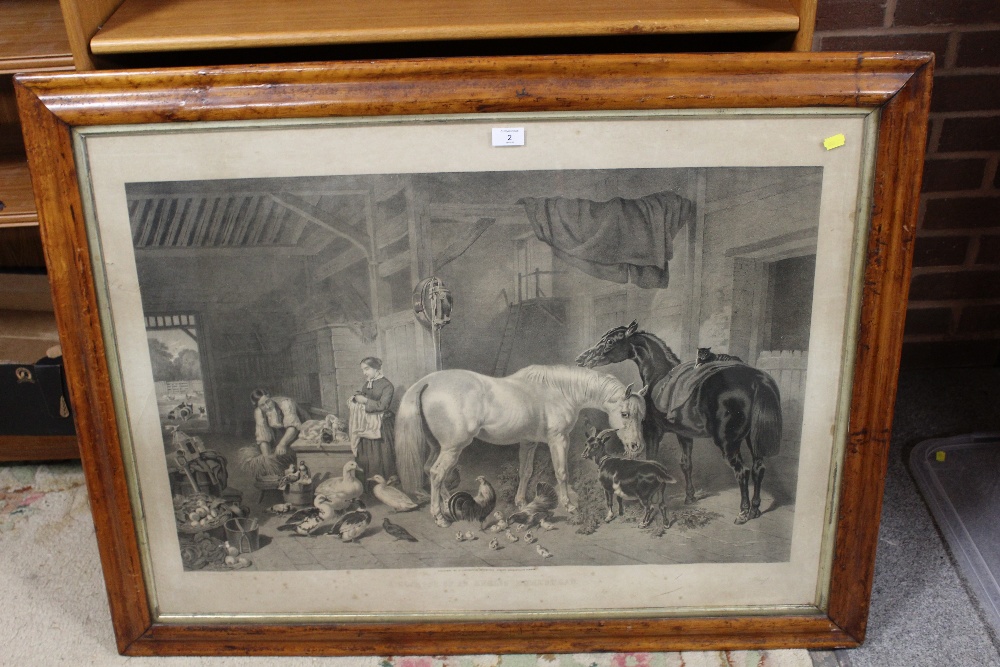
447, 409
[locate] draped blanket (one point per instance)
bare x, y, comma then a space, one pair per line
622, 240
678, 395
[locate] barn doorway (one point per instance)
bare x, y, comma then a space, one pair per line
175, 352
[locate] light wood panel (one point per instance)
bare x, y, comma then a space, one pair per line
153, 25
15, 193
33, 36
83, 18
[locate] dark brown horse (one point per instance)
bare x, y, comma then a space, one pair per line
730, 402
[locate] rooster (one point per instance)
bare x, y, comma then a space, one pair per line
463, 507
539, 508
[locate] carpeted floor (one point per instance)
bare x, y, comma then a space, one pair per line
54, 608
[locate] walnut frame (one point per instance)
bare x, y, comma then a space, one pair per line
898, 85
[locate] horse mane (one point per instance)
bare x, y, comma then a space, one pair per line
671, 357
572, 380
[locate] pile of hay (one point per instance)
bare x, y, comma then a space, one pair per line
259, 465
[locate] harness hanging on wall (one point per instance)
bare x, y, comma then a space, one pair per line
432, 304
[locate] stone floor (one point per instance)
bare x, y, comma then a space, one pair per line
702, 532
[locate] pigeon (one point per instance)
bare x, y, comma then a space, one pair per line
291, 476
397, 532
543, 552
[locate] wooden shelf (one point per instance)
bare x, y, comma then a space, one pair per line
146, 26
33, 37
15, 193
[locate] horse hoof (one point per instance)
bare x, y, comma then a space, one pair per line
609, 518
689, 500
742, 518
755, 513
441, 521
571, 508
644, 524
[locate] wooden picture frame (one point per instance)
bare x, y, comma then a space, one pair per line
89, 135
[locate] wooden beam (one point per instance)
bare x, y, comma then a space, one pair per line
505, 214
458, 247
322, 218
796, 182
209, 252
344, 260
394, 264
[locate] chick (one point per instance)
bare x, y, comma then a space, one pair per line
530, 538
547, 525
511, 536
281, 508
543, 552
460, 536
469, 536
495, 544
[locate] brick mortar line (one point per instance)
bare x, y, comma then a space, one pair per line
955, 268
956, 337
951, 51
980, 113
950, 303
949, 72
910, 30
990, 172
889, 15
934, 136
958, 72
945, 233
986, 191
963, 155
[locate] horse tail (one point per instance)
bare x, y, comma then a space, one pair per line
765, 417
411, 439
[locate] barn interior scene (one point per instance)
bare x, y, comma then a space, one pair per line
287, 285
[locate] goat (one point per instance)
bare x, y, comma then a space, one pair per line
628, 479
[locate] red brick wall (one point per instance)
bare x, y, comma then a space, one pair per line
954, 312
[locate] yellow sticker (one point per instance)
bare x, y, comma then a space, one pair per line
836, 141
939, 456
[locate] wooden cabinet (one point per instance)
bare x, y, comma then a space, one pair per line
44, 35
33, 39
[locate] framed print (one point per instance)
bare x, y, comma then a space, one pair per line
484, 355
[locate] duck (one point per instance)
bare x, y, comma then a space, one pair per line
352, 525
342, 491
391, 496
310, 521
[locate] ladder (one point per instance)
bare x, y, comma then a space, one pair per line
510, 329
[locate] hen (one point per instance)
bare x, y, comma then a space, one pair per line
462, 506
539, 508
